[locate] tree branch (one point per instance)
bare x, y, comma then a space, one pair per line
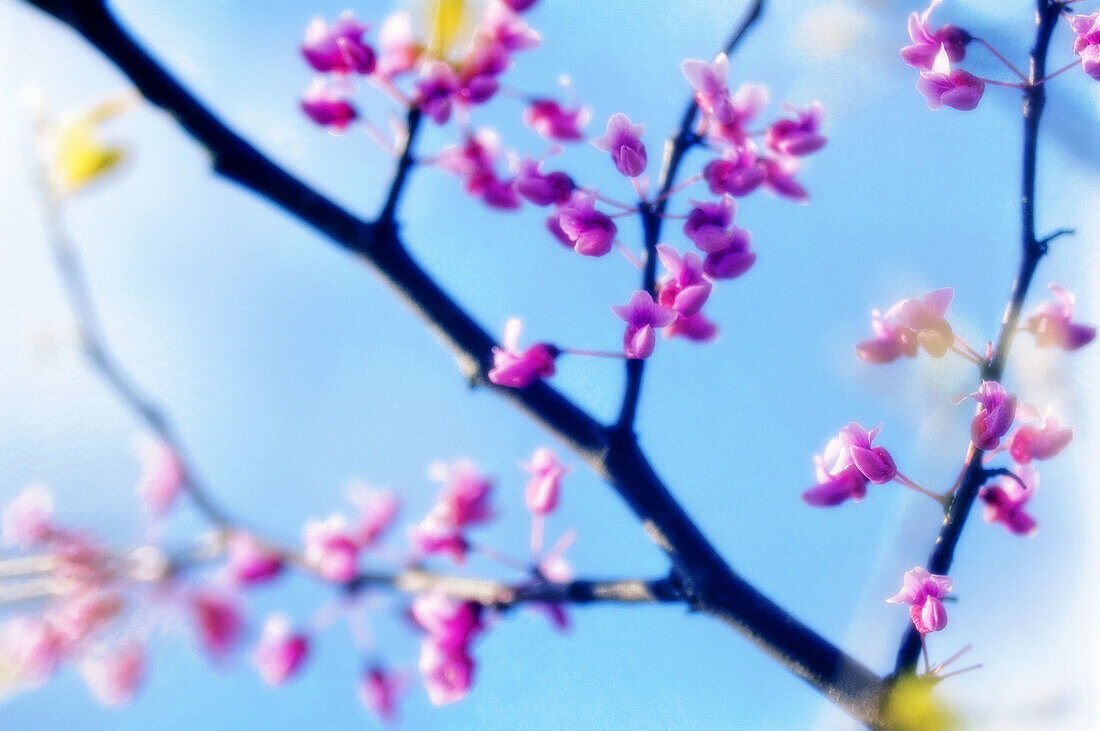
974, 475
700, 575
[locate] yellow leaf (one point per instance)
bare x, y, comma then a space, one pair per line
79, 156
911, 707
446, 18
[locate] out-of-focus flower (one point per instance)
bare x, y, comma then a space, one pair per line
251, 562
925, 317
517, 368
554, 122
327, 104
890, 342
1087, 43
27, 518
339, 47
163, 476
1053, 326
377, 511
1006, 498
379, 689
280, 652
329, 548
115, 675
544, 487
218, 622
799, 136
1044, 441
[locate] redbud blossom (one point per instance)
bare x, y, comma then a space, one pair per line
114, 676
339, 47
377, 511
996, 410
747, 103
927, 43
554, 122
329, 548
280, 652
397, 43
732, 261
79, 617
435, 91
1053, 326
544, 487
218, 623
1006, 498
874, 463
836, 481
503, 25
592, 232
923, 591
378, 691
737, 173
709, 82
30, 648
685, 290
779, 178
891, 340
944, 86
452, 624
436, 534
624, 141
162, 478
520, 5
327, 104
249, 561
465, 496
1042, 442
514, 368
1087, 43
642, 316
27, 518
696, 327
540, 188
925, 317
447, 673
798, 136
708, 223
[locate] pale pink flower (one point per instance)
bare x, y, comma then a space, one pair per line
27, 518
31, 648
251, 562
923, 591
379, 689
504, 26
709, 82
218, 623
330, 549
544, 487
890, 342
515, 368
466, 492
1006, 498
799, 136
399, 49
437, 534
944, 86
452, 624
837, 481
1053, 326
779, 178
746, 104
163, 476
997, 409
327, 104
281, 651
113, 677
927, 43
1044, 441
339, 47
925, 317
80, 616
685, 290
554, 122
642, 317
1087, 43
592, 232
447, 673
624, 141
874, 463
377, 511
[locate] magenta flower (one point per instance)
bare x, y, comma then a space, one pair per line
746, 104
280, 652
515, 368
891, 340
113, 677
927, 43
624, 141
397, 43
519, 5
339, 47
379, 689
732, 261
452, 624
377, 511
696, 327
249, 561
435, 91
218, 622
477, 78
708, 224
1006, 498
327, 104
436, 534
836, 481
996, 410
544, 487
1053, 326
329, 548
447, 673
944, 86
162, 477
540, 188
642, 316
923, 591
1046, 440
1087, 43
592, 232
685, 290
503, 25
925, 318
554, 122
874, 463
709, 82
779, 178
737, 173
28, 518
799, 136
465, 496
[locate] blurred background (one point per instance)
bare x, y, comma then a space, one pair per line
289, 369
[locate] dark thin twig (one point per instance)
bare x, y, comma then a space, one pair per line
974, 474
404, 164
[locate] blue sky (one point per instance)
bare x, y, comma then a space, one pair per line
289, 368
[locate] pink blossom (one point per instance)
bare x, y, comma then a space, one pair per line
553, 225
799, 136
81, 615
544, 487
379, 689
520, 5
163, 476
738, 172
466, 492
435, 90
927, 44
280, 652
514, 368
377, 511
251, 562
1053, 326
327, 104
504, 26
836, 482
709, 82
944, 86
779, 178
114, 676
996, 410
592, 232
1005, 500
624, 141
1087, 43
923, 591
642, 316
340, 47
708, 224
891, 340
27, 518
874, 463
685, 290
31, 648
732, 261
1042, 442
477, 77
746, 104
696, 327
218, 623
540, 188
447, 673
437, 534
925, 318
452, 624
330, 549
554, 122
397, 43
